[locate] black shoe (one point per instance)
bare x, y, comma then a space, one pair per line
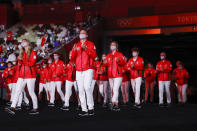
18, 108
91, 112
65, 108
104, 105
83, 113
78, 108
168, 105
34, 112
9, 103
138, 106
51, 104
116, 108
161, 105
10, 110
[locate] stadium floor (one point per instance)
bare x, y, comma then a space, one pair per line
150, 117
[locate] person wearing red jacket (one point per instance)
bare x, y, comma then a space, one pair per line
164, 68
43, 81
115, 62
181, 76
83, 55
125, 84
27, 75
150, 76
48, 77
103, 81
8, 74
56, 70
95, 78
22, 96
70, 82
135, 66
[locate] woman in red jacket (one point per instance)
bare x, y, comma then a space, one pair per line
70, 72
22, 96
181, 76
27, 75
43, 81
8, 74
136, 65
125, 85
56, 72
103, 81
115, 62
149, 75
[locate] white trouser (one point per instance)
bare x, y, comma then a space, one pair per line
136, 85
20, 85
21, 97
68, 91
84, 80
41, 87
56, 85
166, 85
103, 89
183, 89
115, 85
10, 86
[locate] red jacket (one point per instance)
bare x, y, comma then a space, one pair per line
16, 73
27, 69
8, 75
150, 74
126, 74
136, 71
84, 59
115, 68
181, 76
44, 73
103, 72
70, 73
57, 69
164, 68
96, 69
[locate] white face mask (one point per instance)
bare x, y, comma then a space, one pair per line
49, 61
23, 44
56, 57
134, 54
82, 36
162, 57
9, 66
14, 63
113, 47
103, 58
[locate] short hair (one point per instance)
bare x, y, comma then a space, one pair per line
9, 62
115, 43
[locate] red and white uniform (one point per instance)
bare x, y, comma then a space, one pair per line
125, 84
27, 75
84, 63
56, 72
164, 68
95, 75
136, 75
8, 74
181, 76
115, 63
22, 96
103, 81
43, 81
70, 82
150, 76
